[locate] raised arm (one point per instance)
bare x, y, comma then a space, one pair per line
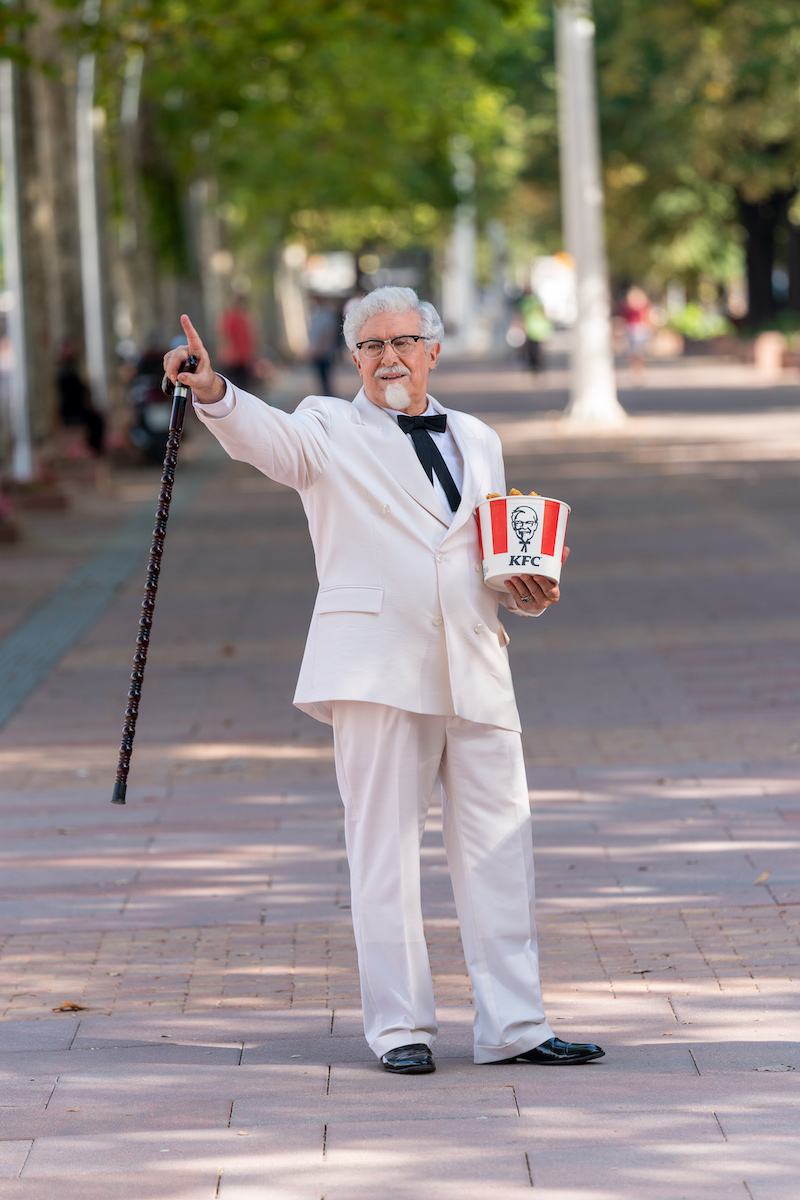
292, 448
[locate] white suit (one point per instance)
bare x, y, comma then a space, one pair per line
403, 624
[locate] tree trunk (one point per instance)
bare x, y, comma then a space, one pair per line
33, 219
760, 220
54, 106
593, 399
793, 266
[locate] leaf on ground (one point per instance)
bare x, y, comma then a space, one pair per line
763, 877
68, 1007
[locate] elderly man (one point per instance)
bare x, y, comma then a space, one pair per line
407, 660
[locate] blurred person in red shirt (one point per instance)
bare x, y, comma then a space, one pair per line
237, 350
635, 312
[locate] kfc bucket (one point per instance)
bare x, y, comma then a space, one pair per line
521, 535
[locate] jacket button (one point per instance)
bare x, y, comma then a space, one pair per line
479, 628
440, 558
385, 509
436, 621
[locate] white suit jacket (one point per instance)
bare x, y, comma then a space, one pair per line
402, 616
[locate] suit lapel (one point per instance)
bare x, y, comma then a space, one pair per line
469, 447
393, 448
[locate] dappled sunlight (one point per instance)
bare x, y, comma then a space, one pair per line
664, 444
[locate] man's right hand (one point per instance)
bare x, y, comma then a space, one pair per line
205, 383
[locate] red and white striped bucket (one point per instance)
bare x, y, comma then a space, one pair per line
521, 535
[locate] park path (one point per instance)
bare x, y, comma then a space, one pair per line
178, 979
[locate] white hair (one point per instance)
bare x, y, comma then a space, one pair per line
393, 299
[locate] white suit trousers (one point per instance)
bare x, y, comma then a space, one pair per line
387, 764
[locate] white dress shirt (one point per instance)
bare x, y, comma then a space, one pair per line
446, 445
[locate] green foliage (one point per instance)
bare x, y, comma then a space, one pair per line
700, 104
14, 20
305, 107
699, 323
335, 121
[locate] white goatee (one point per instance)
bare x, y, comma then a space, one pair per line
396, 396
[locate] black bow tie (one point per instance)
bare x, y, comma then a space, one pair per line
428, 452
437, 423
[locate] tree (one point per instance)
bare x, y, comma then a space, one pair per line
701, 118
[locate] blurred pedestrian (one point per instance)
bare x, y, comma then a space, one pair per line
635, 312
75, 407
237, 349
536, 326
323, 339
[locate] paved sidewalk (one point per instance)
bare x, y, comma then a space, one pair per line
178, 977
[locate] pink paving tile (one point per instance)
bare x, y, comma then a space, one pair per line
745, 1093
695, 1168
29, 1091
161, 1085
338, 1188
119, 1186
279, 1152
776, 1127
770, 1189
465, 1103
548, 1127
459, 1149
48, 1034
251, 1185
13, 1154
217, 1029
118, 1115
127, 1056
757, 1056
311, 1050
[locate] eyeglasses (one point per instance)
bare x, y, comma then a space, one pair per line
373, 347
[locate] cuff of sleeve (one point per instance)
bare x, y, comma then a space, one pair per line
220, 408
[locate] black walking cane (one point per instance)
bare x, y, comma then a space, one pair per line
180, 394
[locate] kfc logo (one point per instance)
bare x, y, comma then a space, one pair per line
524, 522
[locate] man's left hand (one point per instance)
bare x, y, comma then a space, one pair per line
534, 593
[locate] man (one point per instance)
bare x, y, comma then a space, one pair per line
524, 522
407, 659
237, 349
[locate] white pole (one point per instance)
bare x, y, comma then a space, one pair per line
22, 458
88, 222
594, 391
459, 282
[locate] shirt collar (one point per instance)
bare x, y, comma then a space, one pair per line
430, 411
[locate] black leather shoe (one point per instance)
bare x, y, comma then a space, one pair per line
554, 1052
409, 1060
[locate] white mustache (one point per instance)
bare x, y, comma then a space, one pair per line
398, 370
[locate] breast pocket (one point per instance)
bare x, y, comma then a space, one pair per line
350, 599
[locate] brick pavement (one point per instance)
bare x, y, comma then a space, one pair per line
196, 945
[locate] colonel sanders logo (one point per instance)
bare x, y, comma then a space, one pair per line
524, 522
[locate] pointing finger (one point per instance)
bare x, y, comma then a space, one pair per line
192, 336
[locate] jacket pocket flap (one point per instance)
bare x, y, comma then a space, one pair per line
350, 599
